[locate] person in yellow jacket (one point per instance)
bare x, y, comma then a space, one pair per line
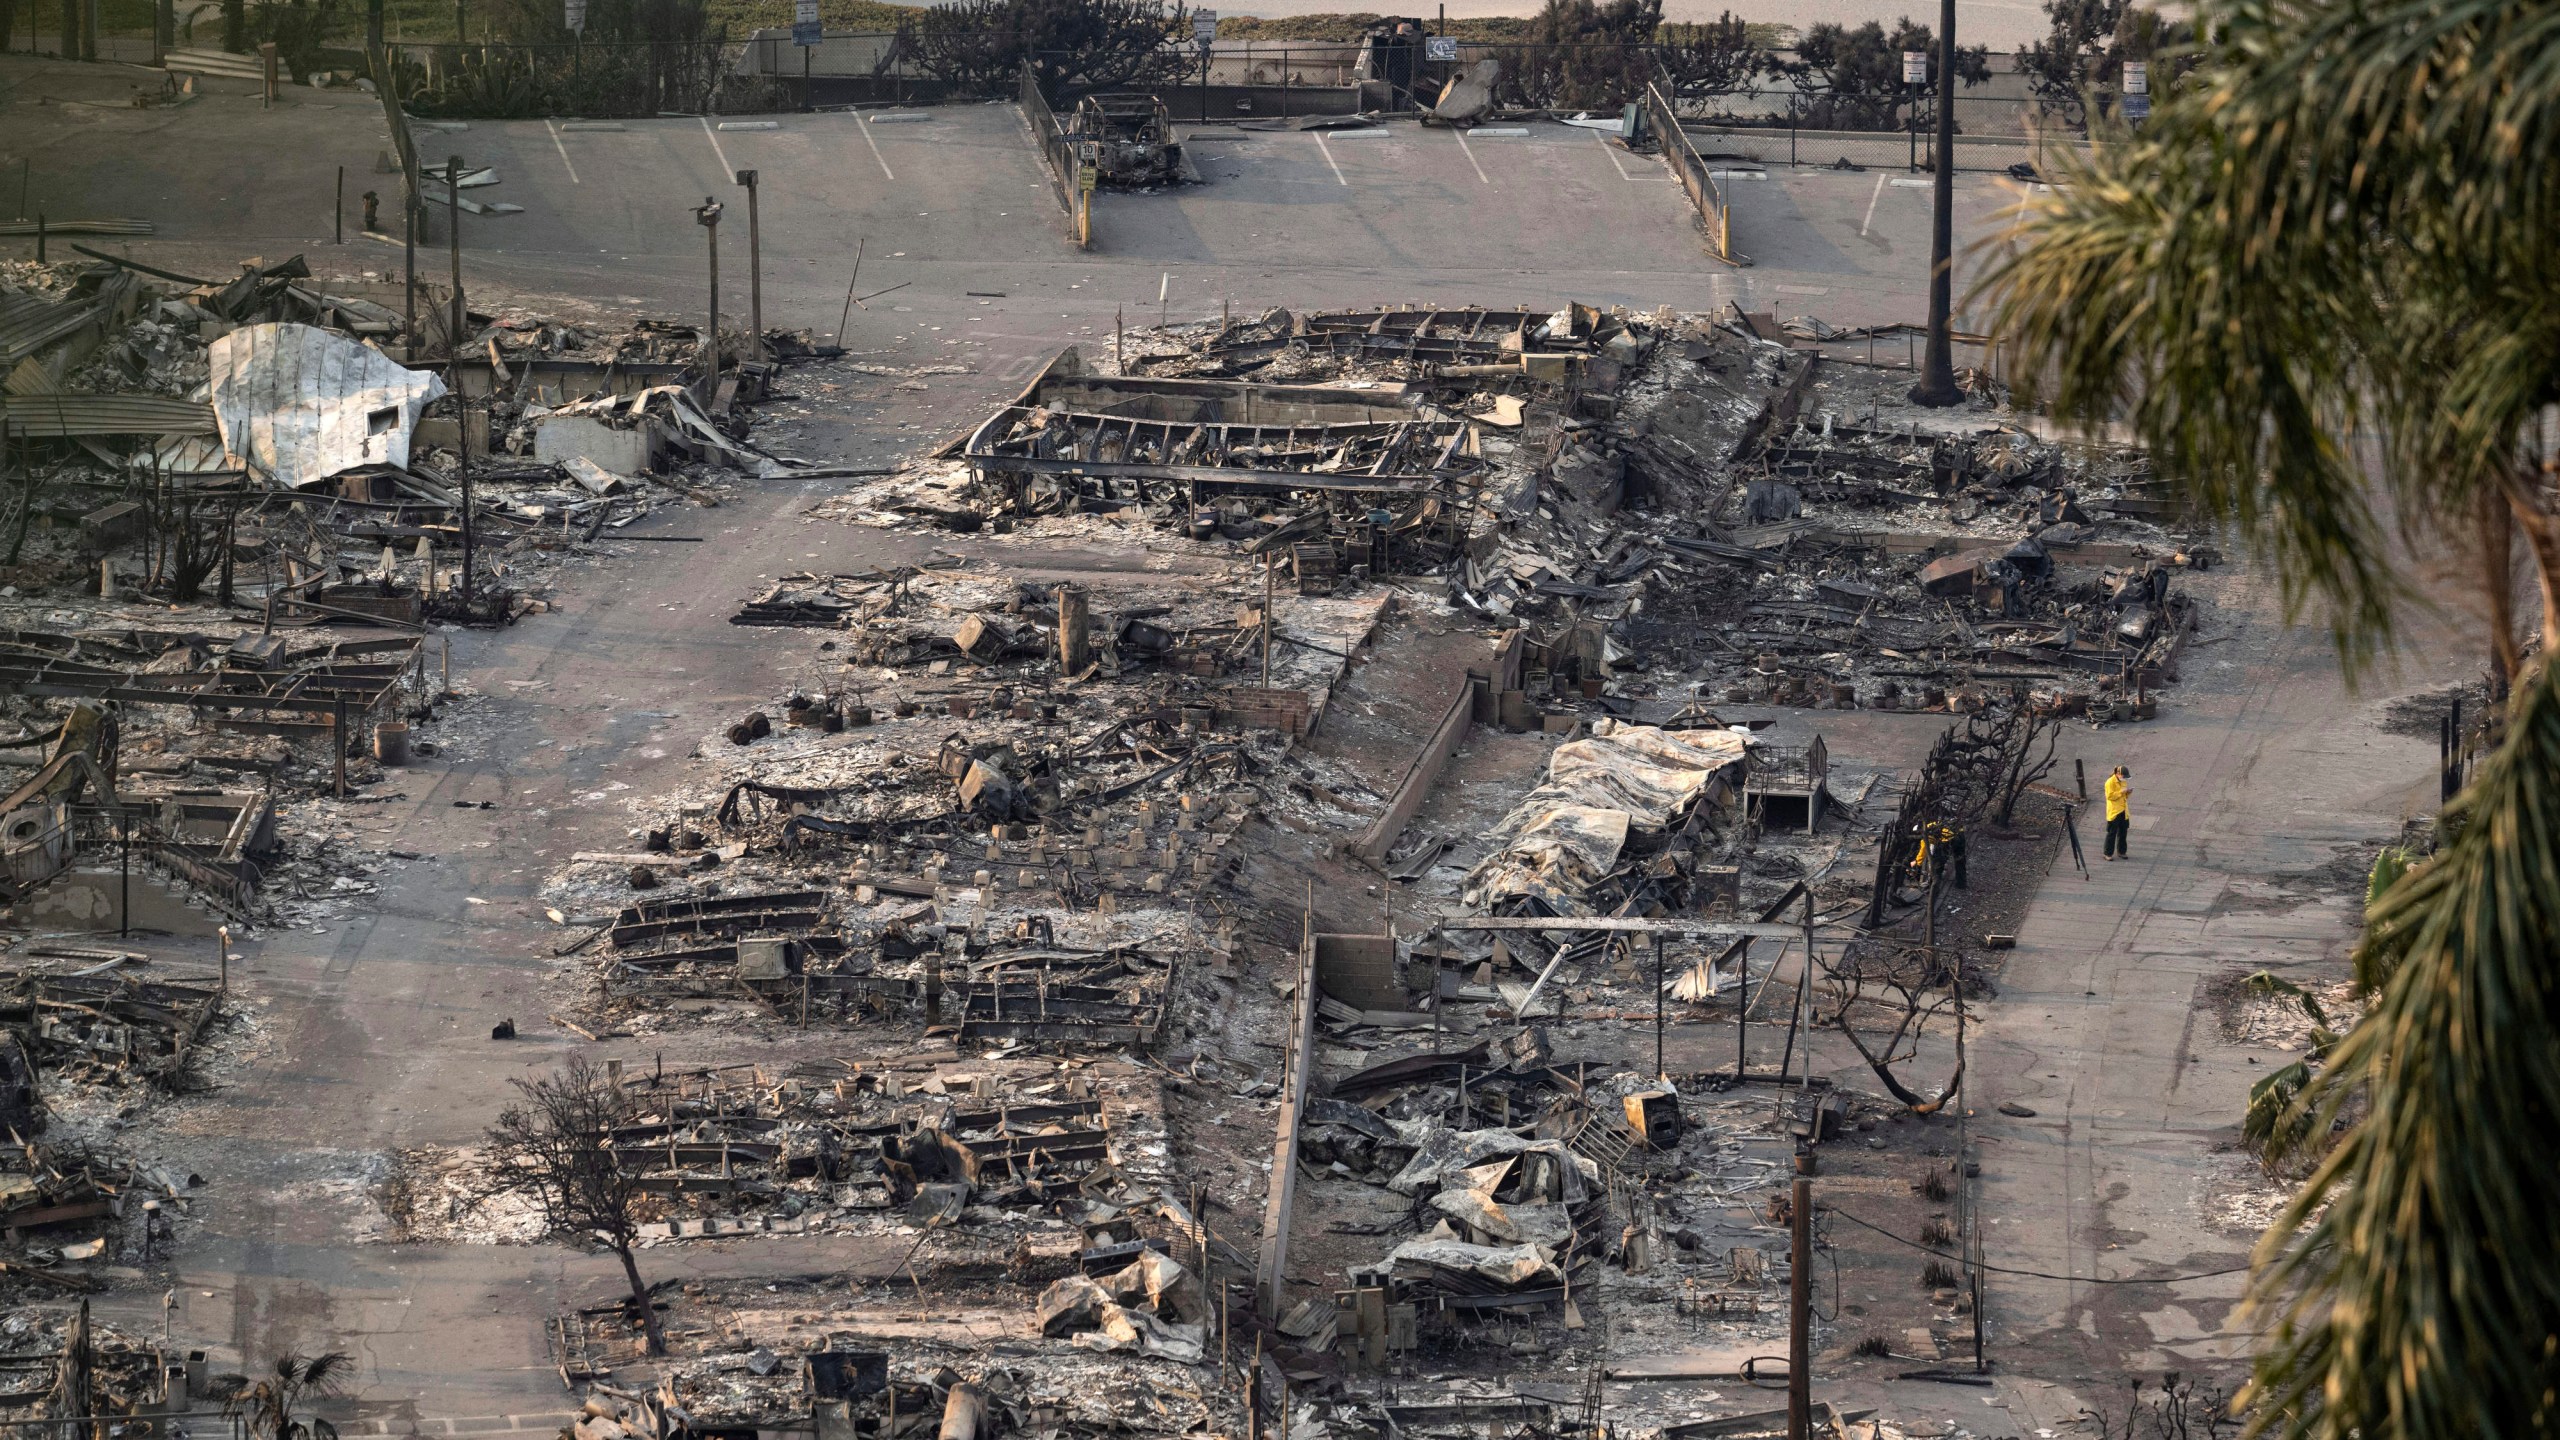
2119, 817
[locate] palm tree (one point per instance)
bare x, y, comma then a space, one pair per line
270, 1405
2324, 287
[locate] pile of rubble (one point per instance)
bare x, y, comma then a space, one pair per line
873, 1375
62, 1365
1011, 1151
1689, 504
1014, 819
264, 442
145, 780
89, 1038
273, 451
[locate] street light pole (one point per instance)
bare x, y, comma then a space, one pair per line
708, 217
755, 270
1937, 385
453, 202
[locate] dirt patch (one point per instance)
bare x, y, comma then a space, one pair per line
2420, 715
2340, 877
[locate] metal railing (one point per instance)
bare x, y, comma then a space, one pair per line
1058, 151
1715, 212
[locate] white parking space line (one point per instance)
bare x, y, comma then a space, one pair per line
1328, 157
875, 148
1612, 152
563, 149
1471, 156
714, 137
1872, 197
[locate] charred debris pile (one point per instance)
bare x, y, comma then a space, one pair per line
233, 507
147, 775
313, 451
1003, 1157
89, 1037
1034, 868
56, 1363
1700, 501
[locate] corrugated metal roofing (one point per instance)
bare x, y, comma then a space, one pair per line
62, 416
298, 404
29, 323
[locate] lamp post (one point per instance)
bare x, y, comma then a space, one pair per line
708, 217
453, 204
755, 270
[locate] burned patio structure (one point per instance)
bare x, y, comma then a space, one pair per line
1738, 513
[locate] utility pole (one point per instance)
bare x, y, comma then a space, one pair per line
1742, 1014
1937, 385
1660, 1070
453, 202
1800, 1315
708, 217
462, 422
409, 203
755, 269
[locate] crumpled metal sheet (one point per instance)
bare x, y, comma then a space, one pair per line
1512, 1267
297, 404
1565, 835
677, 406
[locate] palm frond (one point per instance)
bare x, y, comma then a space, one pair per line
327, 1373
2410, 1288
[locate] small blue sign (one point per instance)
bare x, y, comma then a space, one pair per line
806, 32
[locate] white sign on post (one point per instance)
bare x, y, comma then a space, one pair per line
805, 27
2137, 77
1915, 67
1440, 48
573, 13
1204, 25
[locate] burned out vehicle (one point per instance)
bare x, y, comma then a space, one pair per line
1128, 139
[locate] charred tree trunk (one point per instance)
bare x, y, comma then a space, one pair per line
657, 1340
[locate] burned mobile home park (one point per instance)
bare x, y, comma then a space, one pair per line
863, 754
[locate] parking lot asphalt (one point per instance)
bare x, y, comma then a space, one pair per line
955, 205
